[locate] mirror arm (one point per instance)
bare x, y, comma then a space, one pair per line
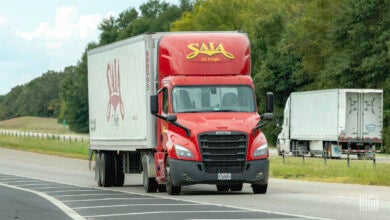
188, 132
261, 124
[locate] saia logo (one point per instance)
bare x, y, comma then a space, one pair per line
114, 92
208, 50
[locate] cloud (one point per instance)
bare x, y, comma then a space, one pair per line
2, 20
69, 25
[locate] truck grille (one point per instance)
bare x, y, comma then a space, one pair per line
223, 153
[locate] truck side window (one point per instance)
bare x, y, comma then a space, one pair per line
165, 101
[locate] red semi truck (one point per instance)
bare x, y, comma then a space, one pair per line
179, 108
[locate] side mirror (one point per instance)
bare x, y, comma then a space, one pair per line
171, 118
269, 102
154, 104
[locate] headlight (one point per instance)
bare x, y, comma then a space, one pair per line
261, 151
182, 151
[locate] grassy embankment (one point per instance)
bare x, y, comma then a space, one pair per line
314, 169
39, 145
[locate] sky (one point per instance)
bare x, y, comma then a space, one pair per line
41, 35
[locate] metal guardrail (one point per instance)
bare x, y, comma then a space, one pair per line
38, 135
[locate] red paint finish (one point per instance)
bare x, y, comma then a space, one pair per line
203, 54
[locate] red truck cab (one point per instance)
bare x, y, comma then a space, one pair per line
208, 126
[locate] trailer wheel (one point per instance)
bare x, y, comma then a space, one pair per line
150, 184
106, 169
259, 189
222, 188
236, 187
119, 178
171, 189
98, 178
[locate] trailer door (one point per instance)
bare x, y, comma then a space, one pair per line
352, 115
372, 115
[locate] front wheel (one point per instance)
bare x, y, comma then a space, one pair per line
150, 184
171, 189
259, 189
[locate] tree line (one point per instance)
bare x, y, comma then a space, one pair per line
295, 45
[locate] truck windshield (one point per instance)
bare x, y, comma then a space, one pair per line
213, 99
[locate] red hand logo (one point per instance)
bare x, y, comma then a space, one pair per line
114, 89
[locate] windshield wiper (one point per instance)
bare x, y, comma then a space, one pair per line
224, 110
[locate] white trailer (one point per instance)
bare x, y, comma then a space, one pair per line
332, 122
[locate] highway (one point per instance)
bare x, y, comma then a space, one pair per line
36, 186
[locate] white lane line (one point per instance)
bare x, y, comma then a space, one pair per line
55, 187
70, 212
163, 212
91, 200
75, 190
10, 179
32, 184
90, 194
23, 181
130, 205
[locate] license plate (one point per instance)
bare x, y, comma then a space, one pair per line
224, 176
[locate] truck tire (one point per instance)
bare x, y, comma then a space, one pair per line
236, 187
98, 178
223, 188
150, 183
106, 169
259, 189
171, 189
119, 178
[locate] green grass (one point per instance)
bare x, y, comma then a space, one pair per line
35, 124
335, 171
46, 146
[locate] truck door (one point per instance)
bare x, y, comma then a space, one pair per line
372, 115
352, 112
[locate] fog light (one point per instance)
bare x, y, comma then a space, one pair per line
259, 175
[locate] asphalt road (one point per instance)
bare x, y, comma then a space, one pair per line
69, 183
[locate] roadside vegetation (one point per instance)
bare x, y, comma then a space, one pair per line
36, 124
49, 146
334, 171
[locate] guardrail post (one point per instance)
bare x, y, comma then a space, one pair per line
374, 156
349, 151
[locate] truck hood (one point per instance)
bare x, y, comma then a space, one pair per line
220, 121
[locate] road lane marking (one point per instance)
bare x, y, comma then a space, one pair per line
76, 190
163, 212
130, 205
66, 209
33, 184
23, 181
54, 187
165, 198
90, 194
91, 200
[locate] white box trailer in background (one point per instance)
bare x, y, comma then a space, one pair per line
332, 123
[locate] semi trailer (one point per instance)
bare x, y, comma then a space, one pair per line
332, 123
180, 108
